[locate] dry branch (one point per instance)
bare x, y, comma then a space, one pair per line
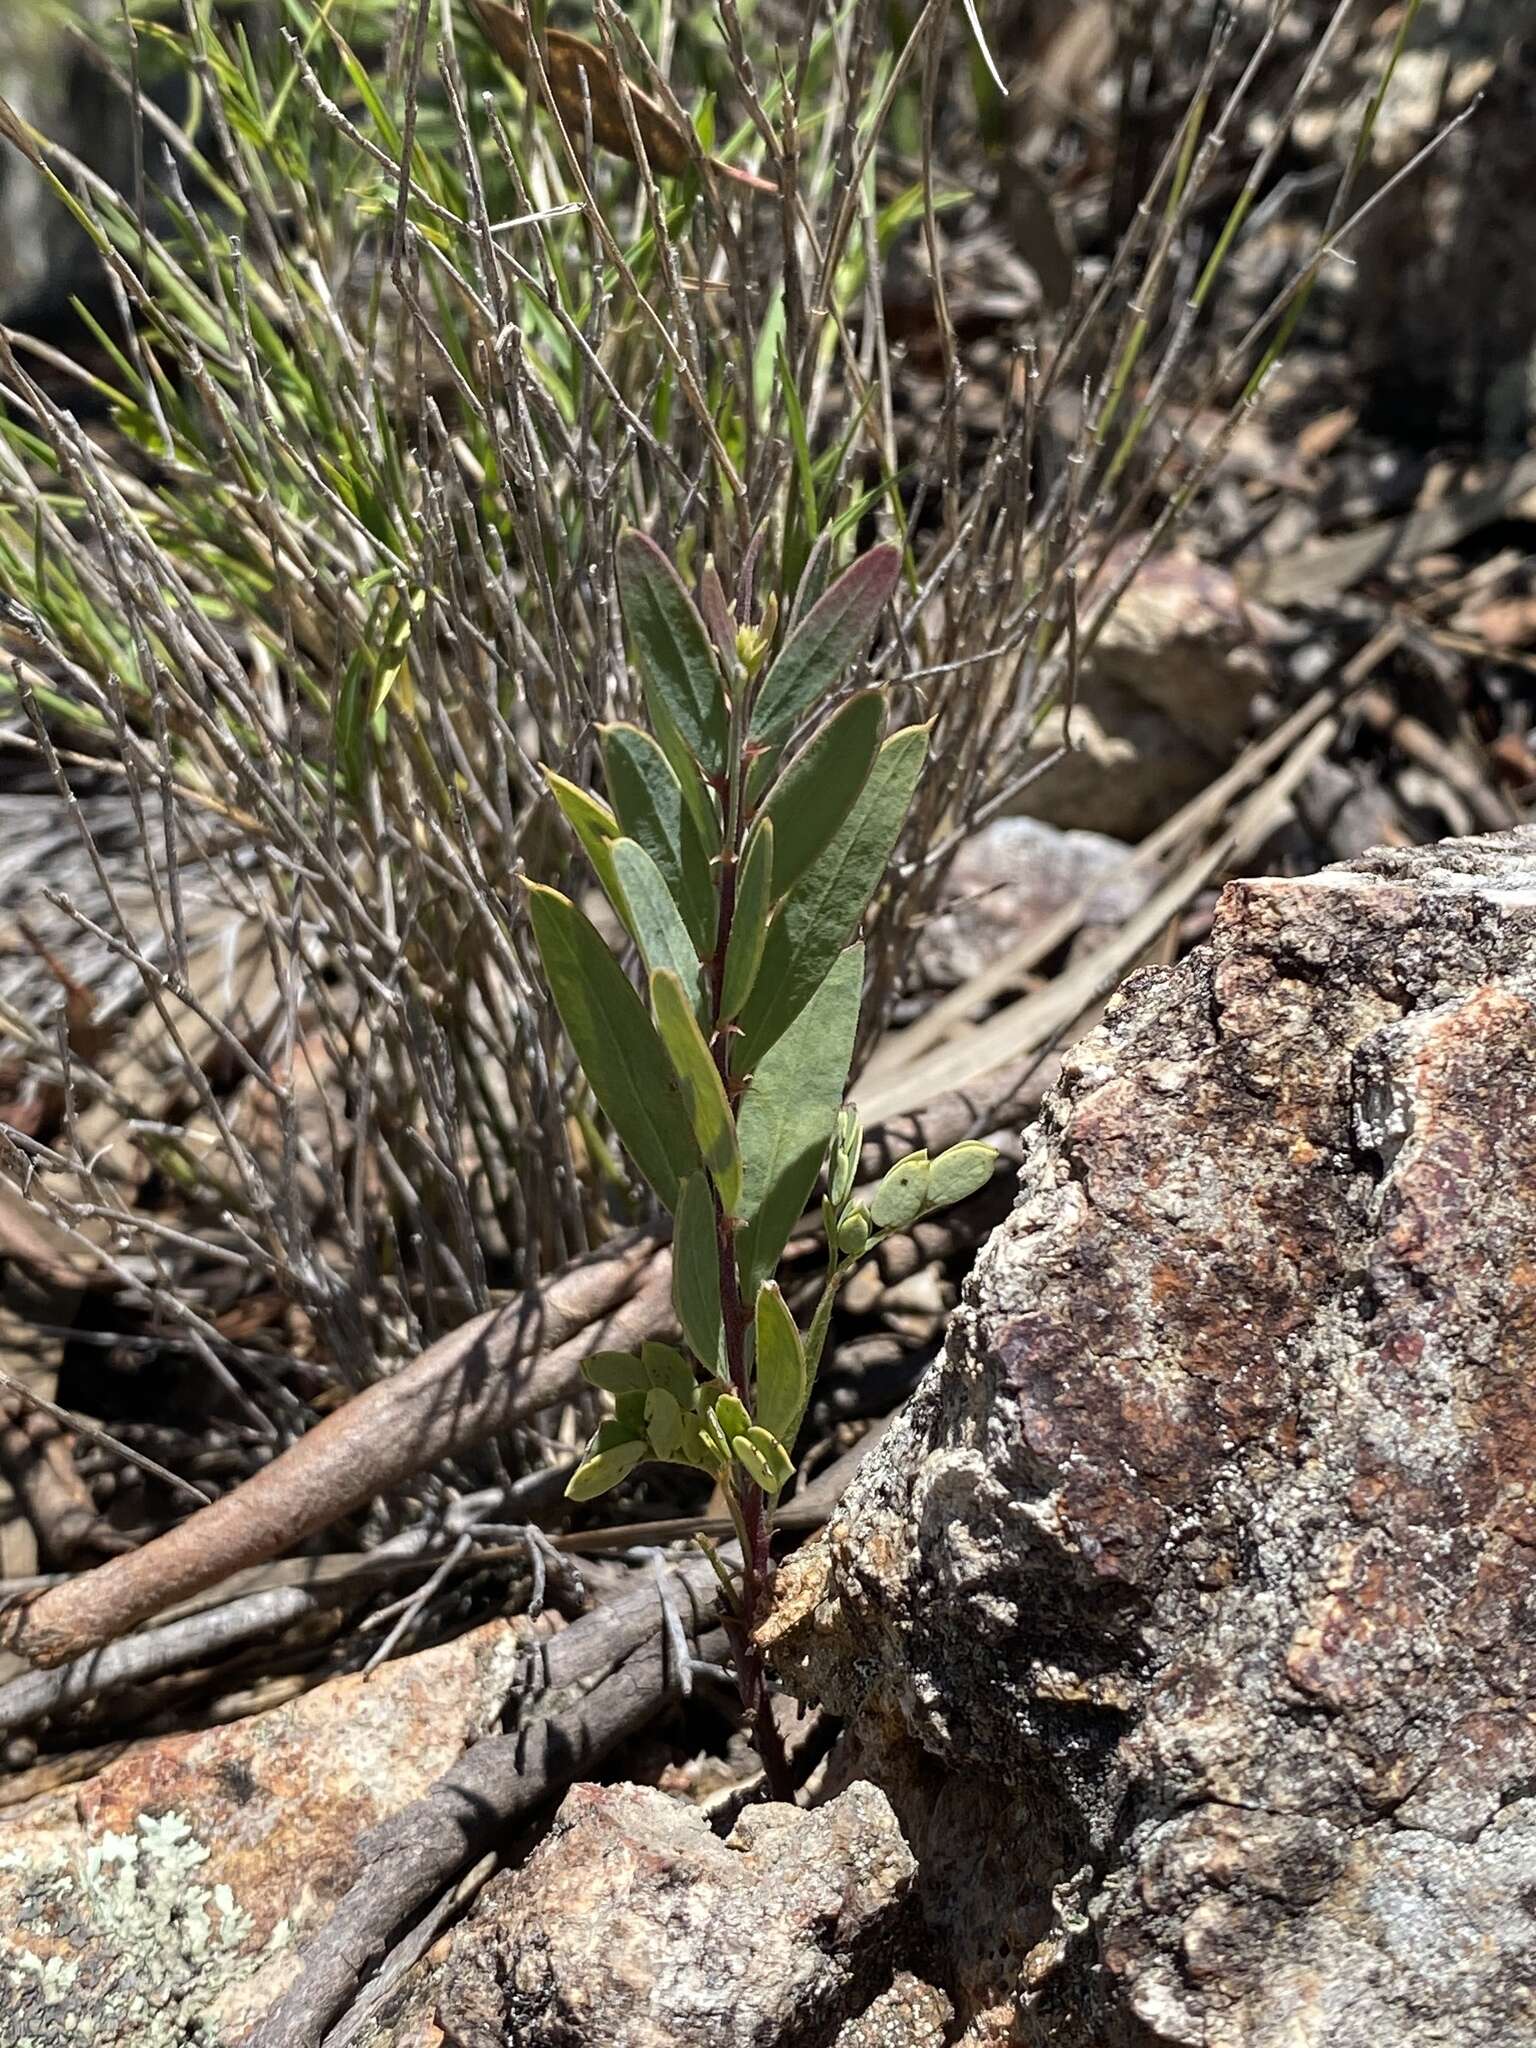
483, 1378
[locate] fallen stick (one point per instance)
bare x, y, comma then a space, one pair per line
495, 1785
487, 1376
482, 1379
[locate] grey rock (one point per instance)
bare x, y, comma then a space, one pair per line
1162, 704
633, 1926
1186, 1616
1013, 875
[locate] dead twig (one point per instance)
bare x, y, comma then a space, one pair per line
35, 1456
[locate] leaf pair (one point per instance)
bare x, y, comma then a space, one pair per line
752, 1446
917, 1186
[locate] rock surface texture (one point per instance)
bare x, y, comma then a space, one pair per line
1187, 1615
163, 1902
633, 1926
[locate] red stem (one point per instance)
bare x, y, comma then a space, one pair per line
757, 1559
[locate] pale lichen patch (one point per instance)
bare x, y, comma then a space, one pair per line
120, 1942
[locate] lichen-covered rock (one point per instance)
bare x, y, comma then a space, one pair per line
161, 1904
633, 1926
1187, 1615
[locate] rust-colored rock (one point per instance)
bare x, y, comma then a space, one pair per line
1187, 1615
161, 1903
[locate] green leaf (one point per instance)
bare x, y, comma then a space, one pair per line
616, 1372
700, 805
699, 1447
821, 786
843, 1160
703, 1092
696, 1272
760, 773
787, 1115
853, 1233
781, 1388
650, 910
832, 634
749, 920
672, 651
764, 1458
731, 1416
620, 1051
821, 914
959, 1172
627, 1427
595, 827
648, 800
899, 1199
813, 578
603, 1471
663, 1423
665, 1366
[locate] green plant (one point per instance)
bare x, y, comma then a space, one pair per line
740, 871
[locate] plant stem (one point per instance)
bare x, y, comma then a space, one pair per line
755, 1515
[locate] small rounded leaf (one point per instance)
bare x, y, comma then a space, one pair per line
960, 1172
616, 1372
663, 1423
763, 1458
628, 1419
731, 1416
853, 1233
699, 1447
902, 1195
665, 1366
604, 1469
